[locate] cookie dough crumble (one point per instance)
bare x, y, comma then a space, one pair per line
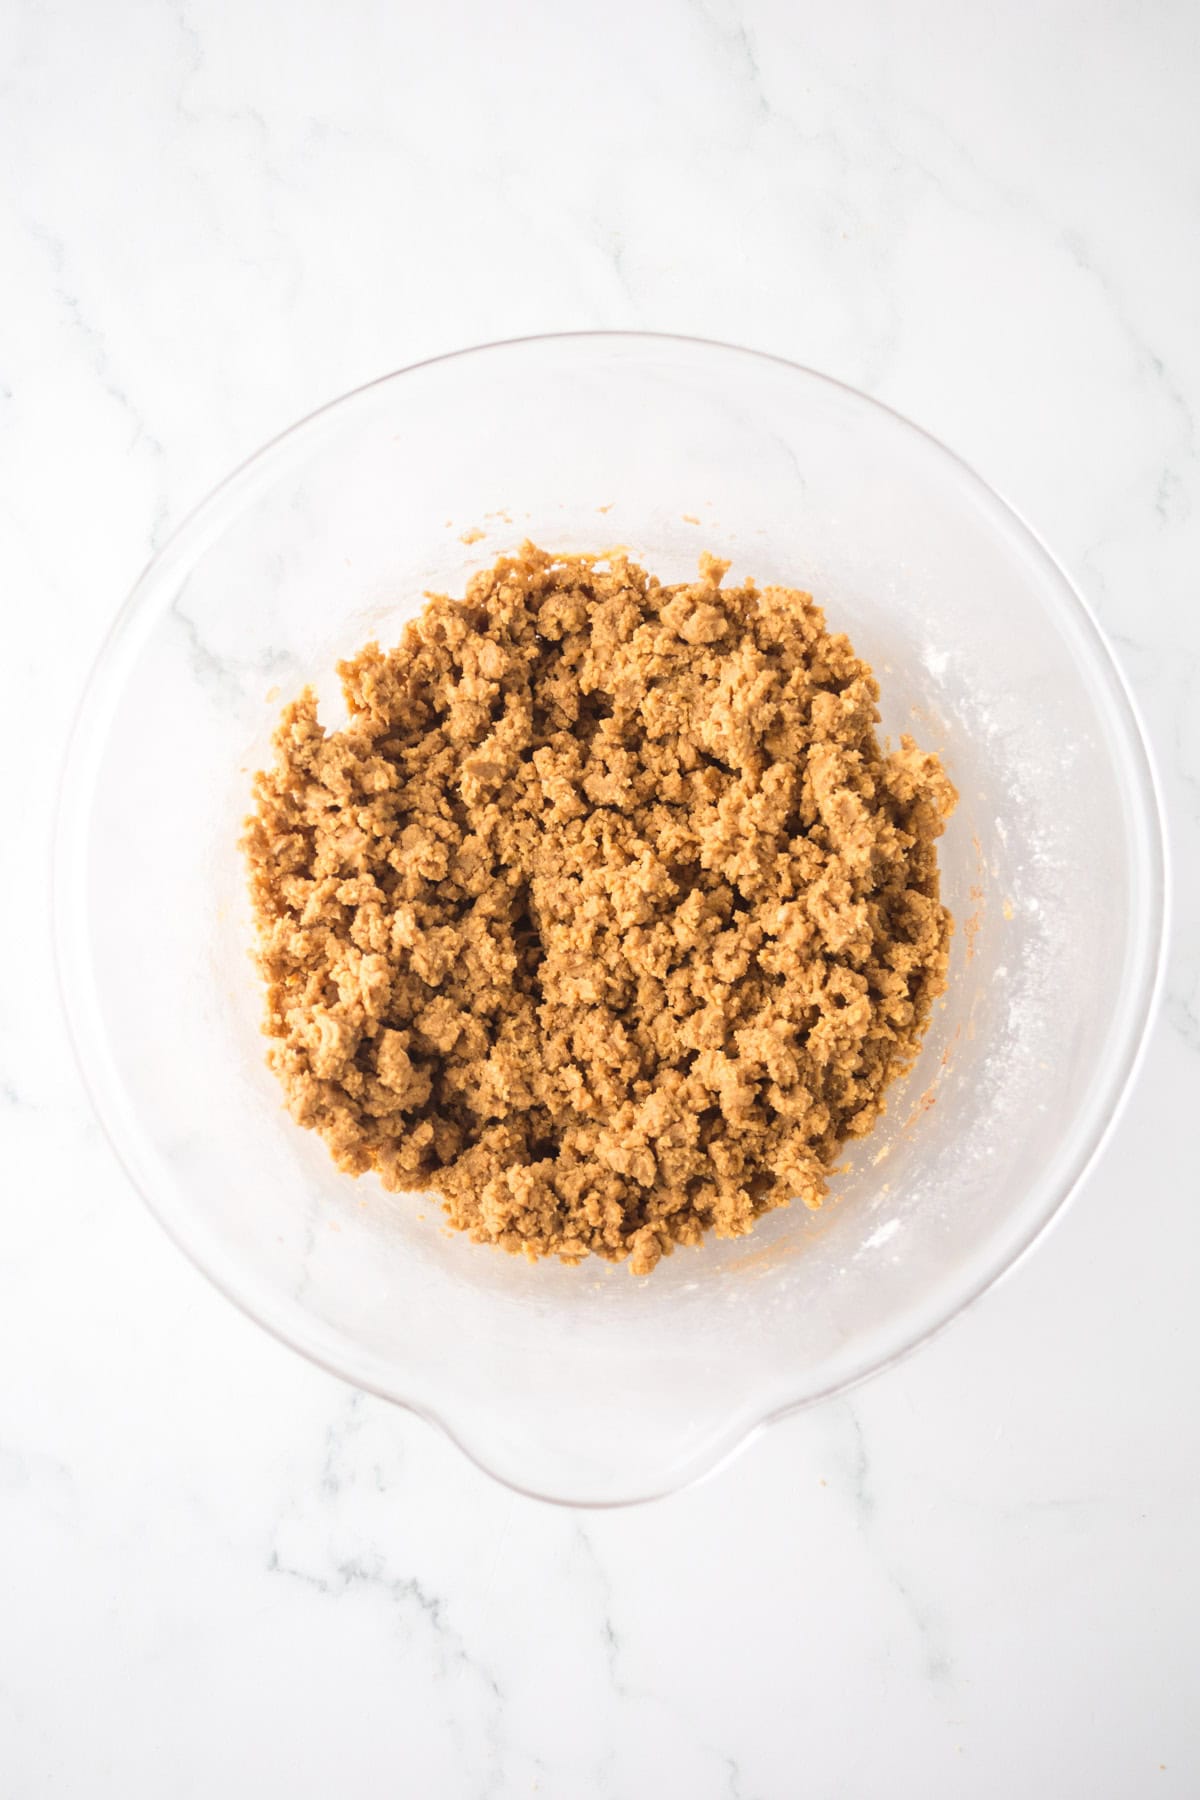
605, 916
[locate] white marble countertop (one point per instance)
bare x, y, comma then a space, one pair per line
221, 1572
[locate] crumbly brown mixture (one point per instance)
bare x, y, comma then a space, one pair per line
605, 915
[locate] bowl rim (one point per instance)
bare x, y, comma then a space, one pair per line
1136, 759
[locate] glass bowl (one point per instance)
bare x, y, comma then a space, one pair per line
588, 1385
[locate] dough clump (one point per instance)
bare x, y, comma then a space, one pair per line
605, 915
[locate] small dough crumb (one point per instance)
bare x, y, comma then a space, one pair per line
605, 916
474, 535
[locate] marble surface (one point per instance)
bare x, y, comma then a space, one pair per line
221, 1572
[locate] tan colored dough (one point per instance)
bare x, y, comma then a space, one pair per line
605, 916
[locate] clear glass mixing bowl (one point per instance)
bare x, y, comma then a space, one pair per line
586, 1384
